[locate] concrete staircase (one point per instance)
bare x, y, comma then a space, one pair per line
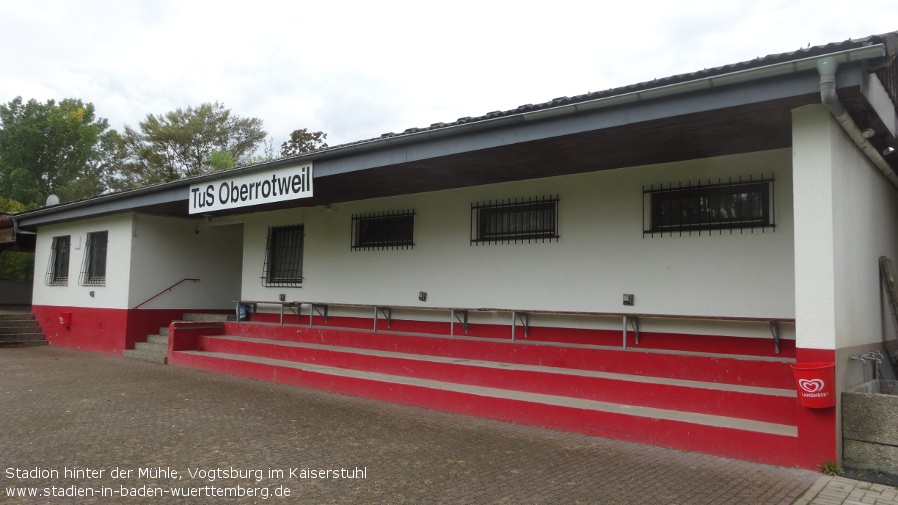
20, 330
729, 405
155, 348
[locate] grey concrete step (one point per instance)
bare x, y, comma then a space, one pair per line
22, 343
145, 355
155, 348
17, 325
152, 347
21, 336
158, 339
199, 317
20, 330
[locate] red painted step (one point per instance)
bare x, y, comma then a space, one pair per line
775, 406
769, 443
722, 369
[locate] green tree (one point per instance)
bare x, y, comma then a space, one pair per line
10, 205
185, 143
303, 141
52, 148
267, 153
16, 265
221, 160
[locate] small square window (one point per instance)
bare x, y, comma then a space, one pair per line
58, 269
534, 219
386, 230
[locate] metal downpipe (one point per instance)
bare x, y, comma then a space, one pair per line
827, 68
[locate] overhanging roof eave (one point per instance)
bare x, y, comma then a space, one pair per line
371, 154
107, 204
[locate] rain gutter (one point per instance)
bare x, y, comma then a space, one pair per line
705, 83
827, 68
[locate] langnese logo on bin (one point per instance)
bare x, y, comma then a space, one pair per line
812, 387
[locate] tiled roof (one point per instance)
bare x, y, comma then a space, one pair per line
807, 52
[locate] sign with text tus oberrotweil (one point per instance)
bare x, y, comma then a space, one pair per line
257, 188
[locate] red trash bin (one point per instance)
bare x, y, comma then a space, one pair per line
815, 384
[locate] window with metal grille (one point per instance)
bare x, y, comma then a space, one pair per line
93, 271
384, 230
519, 220
58, 269
283, 257
713, 207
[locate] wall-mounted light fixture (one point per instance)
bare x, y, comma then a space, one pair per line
422, 296
628, 299
282, 297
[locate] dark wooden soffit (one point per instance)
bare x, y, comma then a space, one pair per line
717, 133
736, 130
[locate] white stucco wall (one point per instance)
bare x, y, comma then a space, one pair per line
601, 255
115, 293
846, 217
146, 255
167, 250
866, 228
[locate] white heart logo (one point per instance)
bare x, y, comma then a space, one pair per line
811, 385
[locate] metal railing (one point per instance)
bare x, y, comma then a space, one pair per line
164, 291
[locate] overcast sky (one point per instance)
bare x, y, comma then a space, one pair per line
358, 69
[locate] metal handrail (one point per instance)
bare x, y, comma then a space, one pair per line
164, 291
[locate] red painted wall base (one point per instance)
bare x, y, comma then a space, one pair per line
97, 330
817, 428
107, 331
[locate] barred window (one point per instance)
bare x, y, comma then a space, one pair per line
93, 271
283, 257
58, 269
733, 206
385, 230
532, 219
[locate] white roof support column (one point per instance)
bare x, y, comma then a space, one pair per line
813, 132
